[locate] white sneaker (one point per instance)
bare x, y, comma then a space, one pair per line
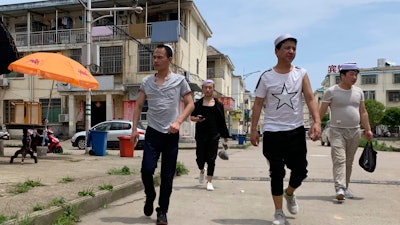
279, 218
202, 177
291, 203
348, 194
210, 187
340, 194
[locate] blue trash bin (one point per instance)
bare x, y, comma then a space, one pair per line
99, 142
241, 139
234, 137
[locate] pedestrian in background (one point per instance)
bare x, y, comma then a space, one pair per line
163, 92
347, 110
280, 92
210, 126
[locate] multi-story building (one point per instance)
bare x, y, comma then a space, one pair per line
380, 83
111, 38
220, 69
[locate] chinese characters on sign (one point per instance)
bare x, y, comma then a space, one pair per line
332, 69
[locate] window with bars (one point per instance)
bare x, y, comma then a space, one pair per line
369, 95
394, 96
76, 54
110, 60
146, 57
54, 109
369, 79
396, 78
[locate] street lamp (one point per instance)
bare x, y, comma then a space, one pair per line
244, 76
89, 18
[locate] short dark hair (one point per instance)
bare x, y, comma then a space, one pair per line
167, 49
345, 71
279, 45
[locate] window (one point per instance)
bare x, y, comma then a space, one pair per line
13, 75
337, 79
110, 60
9, 110
394, 96
76, 54
146, 57
54, 109
396, 78
369, 95
368, 79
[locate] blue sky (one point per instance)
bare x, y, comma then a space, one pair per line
329, 32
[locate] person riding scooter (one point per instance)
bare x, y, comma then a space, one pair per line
54, 143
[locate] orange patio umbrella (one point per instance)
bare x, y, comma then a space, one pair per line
55, 66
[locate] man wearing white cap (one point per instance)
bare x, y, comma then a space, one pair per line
210, 126
346, 103
163, 92
280, 92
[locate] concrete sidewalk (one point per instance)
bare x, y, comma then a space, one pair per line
242, 194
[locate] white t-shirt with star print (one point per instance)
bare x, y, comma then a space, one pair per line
283, 99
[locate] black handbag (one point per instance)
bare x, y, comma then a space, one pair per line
368, 157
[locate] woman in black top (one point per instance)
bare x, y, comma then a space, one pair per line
210, 126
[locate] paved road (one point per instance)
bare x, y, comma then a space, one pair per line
242, 194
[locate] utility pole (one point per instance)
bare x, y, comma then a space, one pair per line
89, 21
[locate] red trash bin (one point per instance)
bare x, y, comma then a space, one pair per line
126, 147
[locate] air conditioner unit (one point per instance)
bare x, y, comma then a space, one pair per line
3, 82
63, 118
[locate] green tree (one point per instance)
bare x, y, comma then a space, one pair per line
391, 117
375, 110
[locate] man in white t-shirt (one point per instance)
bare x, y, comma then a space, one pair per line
346, 103
280, 91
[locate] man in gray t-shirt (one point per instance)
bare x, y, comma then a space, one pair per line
163, 92
346, 103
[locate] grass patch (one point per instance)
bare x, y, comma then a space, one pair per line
3, 219
66, 180
69, 217
57, 202
65, 153
75, 160
38, 207
123, 171
377, 145
25, 187
108, 187
181, 169
86, 193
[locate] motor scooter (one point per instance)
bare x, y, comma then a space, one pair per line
54, 143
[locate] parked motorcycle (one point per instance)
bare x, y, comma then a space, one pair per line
54, 143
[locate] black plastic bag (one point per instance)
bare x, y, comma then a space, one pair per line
367, 160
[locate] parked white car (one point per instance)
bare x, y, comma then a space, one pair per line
4, 133
115, 129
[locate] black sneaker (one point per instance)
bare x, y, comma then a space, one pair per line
161, 217
148, 206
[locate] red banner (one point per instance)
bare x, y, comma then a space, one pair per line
229, 103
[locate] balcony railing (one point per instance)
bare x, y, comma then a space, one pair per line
66, 36
72, 36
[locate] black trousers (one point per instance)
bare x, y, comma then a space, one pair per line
286, 148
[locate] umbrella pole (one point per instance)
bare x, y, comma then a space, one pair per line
47, 114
